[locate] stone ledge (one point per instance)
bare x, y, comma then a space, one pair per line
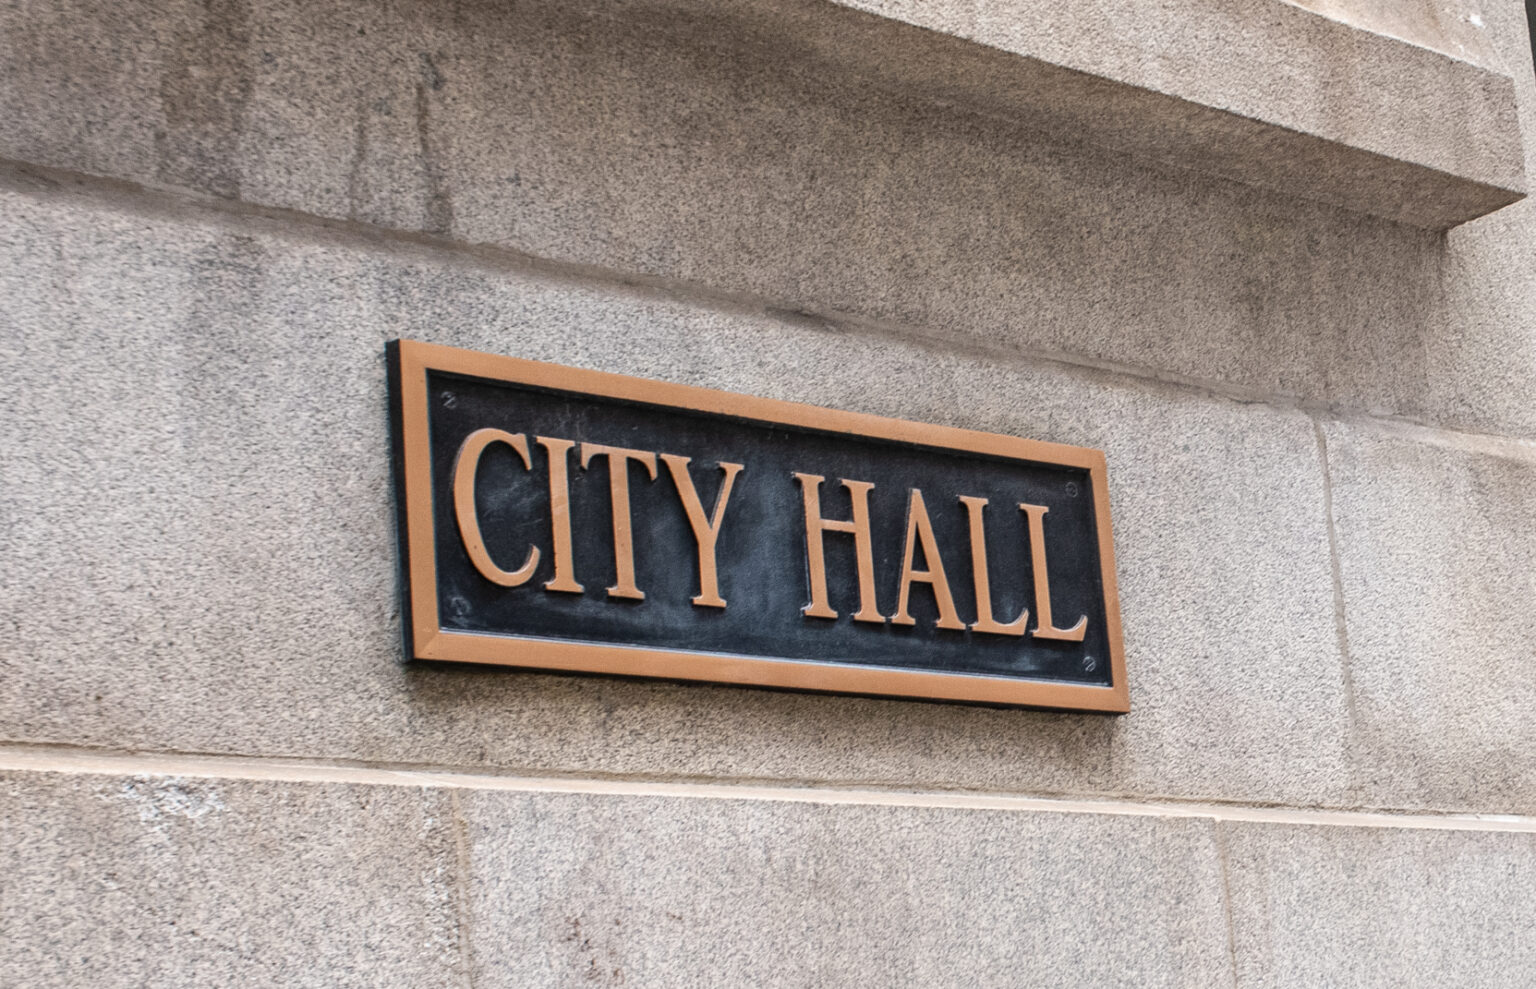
1262, 92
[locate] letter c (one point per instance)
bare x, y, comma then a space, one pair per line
464, 470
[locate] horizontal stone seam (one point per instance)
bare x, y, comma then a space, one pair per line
69, 761
182, 205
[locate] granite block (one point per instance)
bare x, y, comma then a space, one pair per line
1352, 906
166, 881
1437, 554
652, 891
199, 495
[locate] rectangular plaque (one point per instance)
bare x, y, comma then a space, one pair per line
563, 519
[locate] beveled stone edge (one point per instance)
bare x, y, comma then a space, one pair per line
68, 760
1187, 130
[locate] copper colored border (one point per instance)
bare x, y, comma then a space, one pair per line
427, 640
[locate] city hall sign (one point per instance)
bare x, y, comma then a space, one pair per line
562, 519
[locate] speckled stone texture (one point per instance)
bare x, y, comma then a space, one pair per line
153, 881
1437, 551
199, 464
639, 891
1264, 92
1319, 425
1328, 108
110, 881
1418, 909
593, 140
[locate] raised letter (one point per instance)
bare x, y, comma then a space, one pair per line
816, 527
618, 490
919, 526
464, 471
560, 515
984, 620
1045, 628
705, 533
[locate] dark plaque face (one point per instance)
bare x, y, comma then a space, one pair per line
571, 520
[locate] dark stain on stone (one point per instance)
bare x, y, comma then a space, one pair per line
27, 178
205, 92
429, 72
585, 955
356, 187
804, 318
439, 205
217, 341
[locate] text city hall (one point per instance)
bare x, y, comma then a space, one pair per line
706, 528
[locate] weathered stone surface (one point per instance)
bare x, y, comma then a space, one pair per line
1221, 564
1462, 360
1262, 91
1453, 28
1480, 356
198, 475
1437, 551
596, 140
157, 881
195, 534
1344, 906
645, 891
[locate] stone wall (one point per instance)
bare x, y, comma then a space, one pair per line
1319, 427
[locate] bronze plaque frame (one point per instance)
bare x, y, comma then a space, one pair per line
428, 640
